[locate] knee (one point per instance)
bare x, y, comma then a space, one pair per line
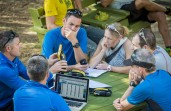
160, 16
142, 3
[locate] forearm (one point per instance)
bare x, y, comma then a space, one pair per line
79, 55
71, 67
124, 69
127, 93
96, 59
106, 3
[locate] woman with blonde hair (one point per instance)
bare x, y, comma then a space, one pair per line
112, 50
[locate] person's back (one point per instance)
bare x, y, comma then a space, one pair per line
157, 87
163, 60
37, 97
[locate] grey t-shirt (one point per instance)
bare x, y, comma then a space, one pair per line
163, 60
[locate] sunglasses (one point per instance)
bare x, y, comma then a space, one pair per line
142, 35
38, 55
112, 28
11, 35
74, 12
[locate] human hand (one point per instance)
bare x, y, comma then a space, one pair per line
60, 66
71, 35
81, 67
103, 44
134, 76
117, 105
52, 59
102, 65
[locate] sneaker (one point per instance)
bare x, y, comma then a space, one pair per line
168, 50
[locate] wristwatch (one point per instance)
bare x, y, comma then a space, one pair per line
76, 45
132, 83
109, 68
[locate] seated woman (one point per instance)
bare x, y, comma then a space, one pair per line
112, 50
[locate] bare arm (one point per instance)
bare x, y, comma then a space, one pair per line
122, 104
50, 22
79, 55
124, 69
106, 3
71, 36
128, 50
98, 55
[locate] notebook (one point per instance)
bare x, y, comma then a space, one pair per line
73, 89
94, 72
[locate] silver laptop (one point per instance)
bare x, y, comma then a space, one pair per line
73, 89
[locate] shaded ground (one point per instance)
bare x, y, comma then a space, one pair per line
14, 15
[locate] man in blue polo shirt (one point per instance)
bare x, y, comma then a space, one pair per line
11, 68
72, 37
155, 89
12, 71
35, 95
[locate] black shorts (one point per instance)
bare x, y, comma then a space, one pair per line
136, 15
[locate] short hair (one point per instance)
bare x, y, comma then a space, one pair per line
148, 39
6, 36
75, 12
37, 68
117, 29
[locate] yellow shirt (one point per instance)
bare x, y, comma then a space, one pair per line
57, 8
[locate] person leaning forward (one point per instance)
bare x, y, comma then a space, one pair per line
155, 88
35, 95
72, 37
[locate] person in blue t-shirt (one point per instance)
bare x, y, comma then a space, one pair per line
155, 89
35, 95
72, 37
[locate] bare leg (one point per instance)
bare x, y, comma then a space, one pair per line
160, 17
149, 6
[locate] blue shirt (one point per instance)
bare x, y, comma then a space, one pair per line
9, 78
37, 97
156, 86
54, 38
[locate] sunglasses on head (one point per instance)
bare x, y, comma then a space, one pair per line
11, 35
74, 12
113, 28
38, 55
142, 35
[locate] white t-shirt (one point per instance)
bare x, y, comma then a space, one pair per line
163, 60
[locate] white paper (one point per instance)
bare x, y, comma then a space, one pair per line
94, 72
95, 84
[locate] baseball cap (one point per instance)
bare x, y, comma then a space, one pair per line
142, 58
